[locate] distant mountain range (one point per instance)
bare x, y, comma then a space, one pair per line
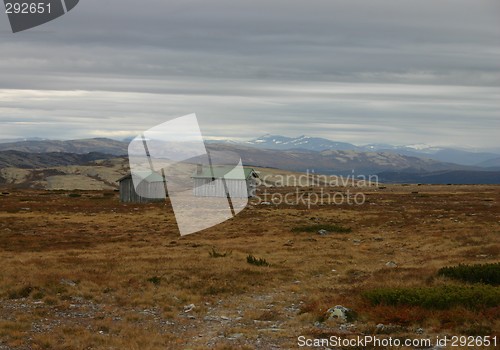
270, 142
397, 163
450, 155
101, 145
25, 160
302, 142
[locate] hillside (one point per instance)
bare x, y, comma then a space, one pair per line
78, 169
101, 145
443, 177
318, 144
491, 163
25, 160
334, 162
96, 175
269, 142
61, 170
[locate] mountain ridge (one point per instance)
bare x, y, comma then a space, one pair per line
80, 146
26, 160
334, 162
443, 154
268, 142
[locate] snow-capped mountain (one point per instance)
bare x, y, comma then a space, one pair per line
421, 148
303, 142
318, 144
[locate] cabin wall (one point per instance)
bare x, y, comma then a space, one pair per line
237, 188
128, 193
252, 187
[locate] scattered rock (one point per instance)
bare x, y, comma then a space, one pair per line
387, 328
391, 264
210, 318
342, 313
323, 232
271, 330
67, 282
189, 308
356, 241
347, 327
235, 336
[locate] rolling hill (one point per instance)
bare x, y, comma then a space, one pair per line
30, 163
333, 161
101, 145
461, 177
26, 160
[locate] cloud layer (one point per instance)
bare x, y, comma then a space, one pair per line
357, 71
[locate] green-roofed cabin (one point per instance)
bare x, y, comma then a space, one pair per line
218, 181
151, 187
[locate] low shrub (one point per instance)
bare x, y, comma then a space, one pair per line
257, 262
155, 280
480, 273
439, 297
216, 254
317, 227
38, 295
22, 292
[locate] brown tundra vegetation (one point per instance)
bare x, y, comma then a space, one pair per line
79, 270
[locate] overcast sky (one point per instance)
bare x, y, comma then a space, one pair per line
399, 71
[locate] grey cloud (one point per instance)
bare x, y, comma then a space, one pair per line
425, 71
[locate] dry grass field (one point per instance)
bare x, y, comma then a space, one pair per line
79, 270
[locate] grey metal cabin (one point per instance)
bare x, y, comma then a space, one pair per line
151, 188
215, 181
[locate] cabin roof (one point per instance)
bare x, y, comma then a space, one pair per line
226, 172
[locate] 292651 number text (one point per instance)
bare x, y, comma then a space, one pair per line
27, 8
